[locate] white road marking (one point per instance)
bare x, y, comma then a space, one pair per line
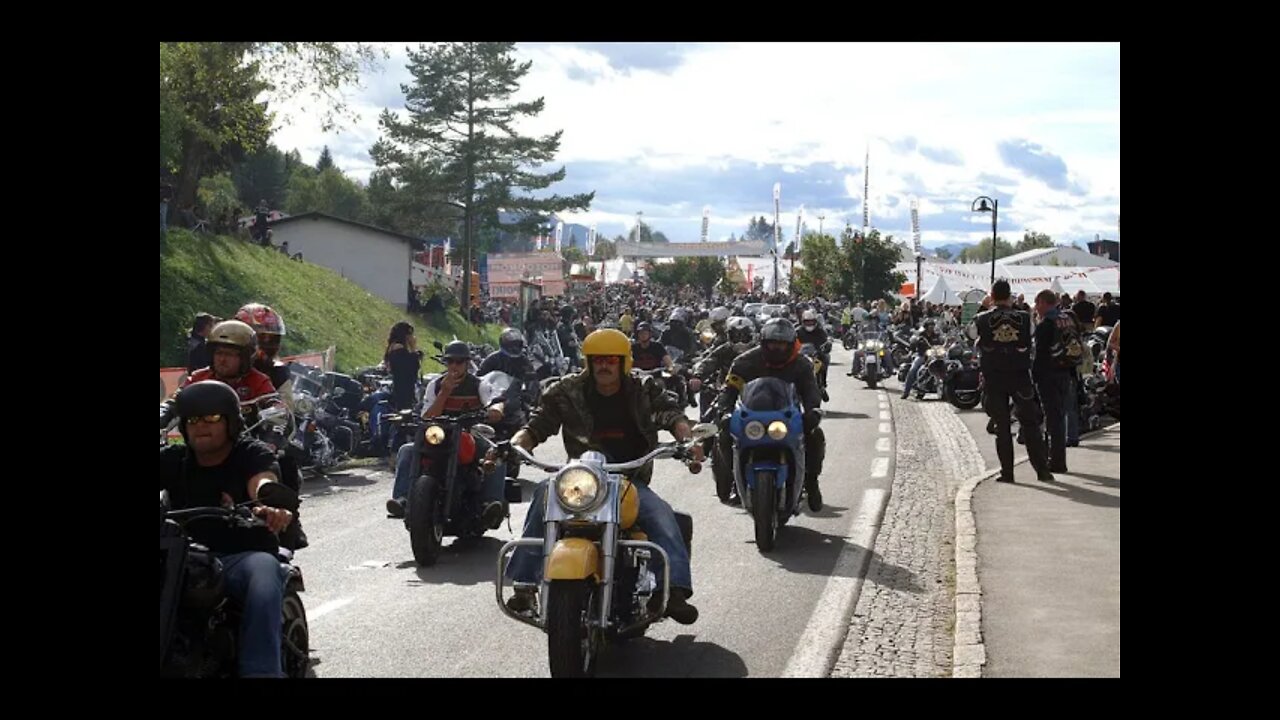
820, 644
880, 467
884, 406
328, 607
884, 414
882, 445
884, 428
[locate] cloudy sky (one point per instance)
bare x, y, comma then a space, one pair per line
668, 128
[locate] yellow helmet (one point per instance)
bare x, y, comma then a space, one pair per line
608, 342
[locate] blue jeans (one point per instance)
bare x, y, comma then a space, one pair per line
1072, 407
911, 375
407, 471
256, 581
656, 519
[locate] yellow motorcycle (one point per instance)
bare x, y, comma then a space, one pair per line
599, 585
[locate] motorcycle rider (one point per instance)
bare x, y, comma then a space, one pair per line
1004, 341
218, 465
921, 343
778, 355
646, 354
509, 358
455, 391
587, 407
568, 339
232, 344
269, 328
811, 332
677, 334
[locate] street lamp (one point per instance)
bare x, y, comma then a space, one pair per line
986, 204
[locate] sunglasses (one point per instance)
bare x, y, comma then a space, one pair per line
197, 419
455, 361
606, 359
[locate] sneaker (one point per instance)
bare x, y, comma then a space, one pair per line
492, 515
904, 396
1045, 477
678, 607
396, 507
815, 497
1005, 478
734, 499
524, 600
1059, 468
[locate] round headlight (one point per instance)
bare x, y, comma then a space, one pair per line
754, 430
435, 435
577, 488
708, 336
777, 429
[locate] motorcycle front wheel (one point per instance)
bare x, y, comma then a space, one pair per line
573, 644
764, 497
426, 519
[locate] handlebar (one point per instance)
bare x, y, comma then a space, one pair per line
676, 450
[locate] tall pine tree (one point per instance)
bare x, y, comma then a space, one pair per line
458, 150
326, 160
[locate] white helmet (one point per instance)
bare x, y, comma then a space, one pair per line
808, 316
719, 315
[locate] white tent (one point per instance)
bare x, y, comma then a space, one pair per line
1023, 279
1057, 288
941, 294
617, 270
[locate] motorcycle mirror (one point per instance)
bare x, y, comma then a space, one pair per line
438, 345
278, 495
483, 431
702, 431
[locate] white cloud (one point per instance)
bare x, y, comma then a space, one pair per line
794, 104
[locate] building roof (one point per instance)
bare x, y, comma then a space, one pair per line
322, 216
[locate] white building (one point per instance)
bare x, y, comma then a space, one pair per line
375, 259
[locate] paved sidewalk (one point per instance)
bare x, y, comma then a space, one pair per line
1048, 563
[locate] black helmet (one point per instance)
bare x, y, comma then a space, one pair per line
777, 330
208, 397
644, 326
457, 349
512, 342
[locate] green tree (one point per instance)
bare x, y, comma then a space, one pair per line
605, 250
982, 251
760, 230
218, 198
211, 115
326, 160
1032, 241
458, 150
329, 192
262, 176
706, 273
868, 266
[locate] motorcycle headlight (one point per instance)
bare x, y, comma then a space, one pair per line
577, 489
435, 435
754, 430
777, 429
708, 336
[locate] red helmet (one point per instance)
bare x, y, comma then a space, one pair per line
261, 318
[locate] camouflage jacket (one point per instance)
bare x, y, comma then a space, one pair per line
564, 406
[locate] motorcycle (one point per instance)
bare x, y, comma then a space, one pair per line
446, 496
199, 623
599, 582
768, 454
812, 352
932, 373
868, 358
962, 385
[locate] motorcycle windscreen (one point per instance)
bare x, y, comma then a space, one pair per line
675, 353
768, 394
